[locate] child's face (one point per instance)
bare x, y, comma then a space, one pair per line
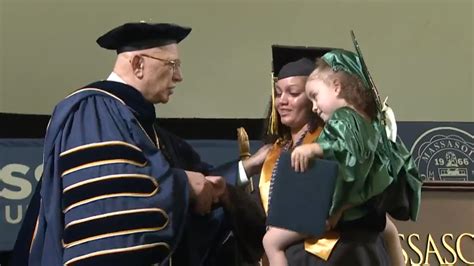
324, 96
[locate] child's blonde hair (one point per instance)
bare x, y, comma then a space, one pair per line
352, 88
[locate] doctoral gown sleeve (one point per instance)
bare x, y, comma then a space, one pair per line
108, 195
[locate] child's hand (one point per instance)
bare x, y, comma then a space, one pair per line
301, 155
332, 220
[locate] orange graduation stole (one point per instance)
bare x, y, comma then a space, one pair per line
320, 247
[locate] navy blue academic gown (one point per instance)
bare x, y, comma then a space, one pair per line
109, 196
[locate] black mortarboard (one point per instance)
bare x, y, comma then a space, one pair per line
301, 201
289, 61
141, 35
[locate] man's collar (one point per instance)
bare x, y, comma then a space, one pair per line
114, 77
144, 110
132, 97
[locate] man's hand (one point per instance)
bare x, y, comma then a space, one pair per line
219, 186
253, 165
201, 191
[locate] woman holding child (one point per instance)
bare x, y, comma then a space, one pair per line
358, 232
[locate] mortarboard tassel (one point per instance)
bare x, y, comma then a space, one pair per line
273, 123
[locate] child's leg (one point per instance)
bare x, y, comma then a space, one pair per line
275, 242
392, 242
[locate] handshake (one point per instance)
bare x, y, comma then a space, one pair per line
205, 191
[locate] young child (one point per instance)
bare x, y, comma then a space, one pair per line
341, 96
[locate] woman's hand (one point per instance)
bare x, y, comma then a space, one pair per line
253, 165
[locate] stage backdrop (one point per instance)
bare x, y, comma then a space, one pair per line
444, 153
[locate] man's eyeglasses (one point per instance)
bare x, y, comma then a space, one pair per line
175, 64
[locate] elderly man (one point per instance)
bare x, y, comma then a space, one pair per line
109, 194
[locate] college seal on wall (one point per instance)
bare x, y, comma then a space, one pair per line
445, 154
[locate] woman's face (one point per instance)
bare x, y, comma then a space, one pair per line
291, 102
